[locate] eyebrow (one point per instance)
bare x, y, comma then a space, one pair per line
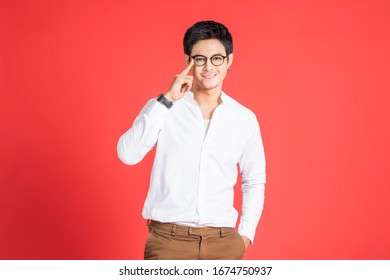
210, 56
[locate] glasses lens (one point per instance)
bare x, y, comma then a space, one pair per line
217, 60
200, 60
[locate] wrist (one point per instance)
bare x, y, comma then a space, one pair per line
169, 97
164, 101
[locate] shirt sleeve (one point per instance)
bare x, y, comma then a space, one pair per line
136, 142
252, 165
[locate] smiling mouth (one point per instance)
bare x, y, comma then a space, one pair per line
209, 75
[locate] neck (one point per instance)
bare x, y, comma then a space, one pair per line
207, 101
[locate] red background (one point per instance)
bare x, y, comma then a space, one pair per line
74, 75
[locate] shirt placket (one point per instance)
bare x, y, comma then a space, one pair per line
204, 158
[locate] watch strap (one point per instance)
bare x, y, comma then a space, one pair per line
161, 98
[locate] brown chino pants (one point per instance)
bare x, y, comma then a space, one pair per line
168, 241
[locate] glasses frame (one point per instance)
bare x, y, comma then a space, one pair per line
211, 59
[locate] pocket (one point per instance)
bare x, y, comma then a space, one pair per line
242, 243
160, 234
148, 249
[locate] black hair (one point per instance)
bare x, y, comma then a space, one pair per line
204, 30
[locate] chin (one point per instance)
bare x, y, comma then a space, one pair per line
210, 86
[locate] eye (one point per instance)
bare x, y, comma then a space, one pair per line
199, 60
218, 59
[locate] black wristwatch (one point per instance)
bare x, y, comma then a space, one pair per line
161, 98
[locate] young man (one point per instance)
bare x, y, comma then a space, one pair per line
201, 135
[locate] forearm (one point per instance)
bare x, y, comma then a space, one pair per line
252, 207
136, 142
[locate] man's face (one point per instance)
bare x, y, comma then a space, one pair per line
209, 77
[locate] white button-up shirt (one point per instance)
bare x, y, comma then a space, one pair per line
194, 174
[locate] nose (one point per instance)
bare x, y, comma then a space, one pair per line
208, 65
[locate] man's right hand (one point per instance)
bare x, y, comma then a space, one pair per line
181, 83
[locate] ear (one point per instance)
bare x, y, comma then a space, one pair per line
230, 60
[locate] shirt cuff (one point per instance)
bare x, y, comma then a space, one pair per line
246, 232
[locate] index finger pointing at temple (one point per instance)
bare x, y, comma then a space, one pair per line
188, 68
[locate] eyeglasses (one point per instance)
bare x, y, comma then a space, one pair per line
216, 60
